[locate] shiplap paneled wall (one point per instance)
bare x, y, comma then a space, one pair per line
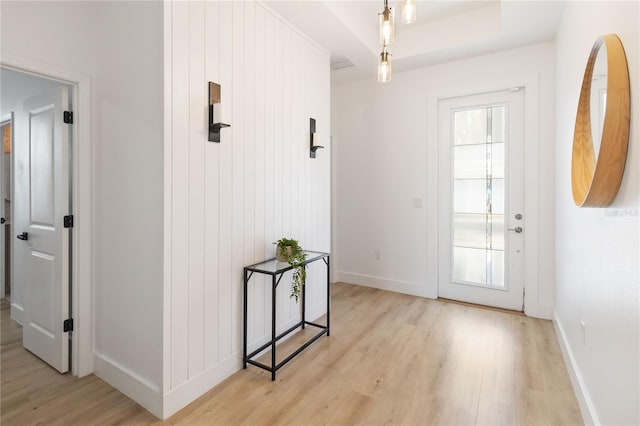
227, 203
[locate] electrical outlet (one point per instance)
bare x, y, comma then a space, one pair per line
376, 255
417, 203
583, 332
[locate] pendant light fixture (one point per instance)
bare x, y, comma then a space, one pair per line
386, 25
409, 12
384, 66
387, 34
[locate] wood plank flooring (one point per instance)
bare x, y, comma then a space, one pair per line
391, 359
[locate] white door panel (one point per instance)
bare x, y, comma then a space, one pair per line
42, 166
45, 251
481, 145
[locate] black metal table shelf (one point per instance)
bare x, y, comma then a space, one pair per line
276, 270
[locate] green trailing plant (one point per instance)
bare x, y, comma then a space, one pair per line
290, 251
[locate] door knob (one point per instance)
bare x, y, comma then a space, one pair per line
24, 236
2, 221
517, 229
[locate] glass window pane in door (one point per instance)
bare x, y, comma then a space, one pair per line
470, 230
497, 124
497, 196
470, 161
497, 231
470, 126
478, 233
497, 268
496, 152
470, 265
470, 196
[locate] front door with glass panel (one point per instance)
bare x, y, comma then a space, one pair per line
480, 242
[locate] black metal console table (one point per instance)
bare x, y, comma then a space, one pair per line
277, 269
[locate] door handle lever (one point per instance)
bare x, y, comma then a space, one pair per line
24, 236
517, 229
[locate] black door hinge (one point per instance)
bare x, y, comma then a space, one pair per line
68, 221
67, 117
67, 325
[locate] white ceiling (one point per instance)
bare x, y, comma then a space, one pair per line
444, 30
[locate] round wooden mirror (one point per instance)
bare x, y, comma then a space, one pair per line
601, 134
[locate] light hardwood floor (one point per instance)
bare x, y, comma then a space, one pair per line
391, 359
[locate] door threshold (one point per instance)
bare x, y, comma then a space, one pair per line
489, 308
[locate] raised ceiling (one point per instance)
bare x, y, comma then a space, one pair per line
444, 30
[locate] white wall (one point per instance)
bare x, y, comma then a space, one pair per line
15, 88
226, 203
119, 46
598, 257
385, 156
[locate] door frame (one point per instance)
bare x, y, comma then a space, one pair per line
531, 85
82, 348
6, 118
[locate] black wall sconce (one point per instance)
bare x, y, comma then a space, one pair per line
312, 130
214, 98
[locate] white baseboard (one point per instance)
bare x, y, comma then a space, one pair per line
17, 312
163, 406
414, 289
587, 409
129, 383
192, 389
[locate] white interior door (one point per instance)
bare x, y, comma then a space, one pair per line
480, 247
39, 226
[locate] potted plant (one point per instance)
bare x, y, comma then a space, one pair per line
288, 250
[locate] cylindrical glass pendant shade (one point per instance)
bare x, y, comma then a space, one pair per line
386, 26
408, 12
384, 66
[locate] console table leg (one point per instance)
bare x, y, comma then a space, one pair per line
304, 291
244, 325
328, 296
273, 328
